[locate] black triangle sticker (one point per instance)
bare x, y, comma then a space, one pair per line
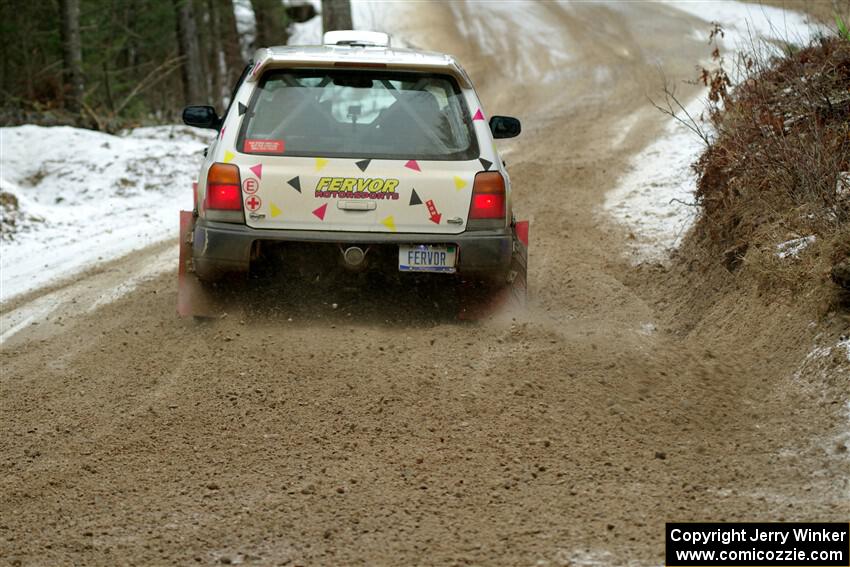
296, 183
414, 199
363, 164
242, 109
485, 164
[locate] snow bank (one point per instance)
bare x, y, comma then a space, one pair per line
19, 214
97, 196
653, 198
746, 24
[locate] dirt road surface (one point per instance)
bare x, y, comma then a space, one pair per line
384, 433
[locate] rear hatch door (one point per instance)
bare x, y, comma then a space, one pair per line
357, 194
357, 150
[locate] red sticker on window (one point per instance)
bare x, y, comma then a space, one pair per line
264, 146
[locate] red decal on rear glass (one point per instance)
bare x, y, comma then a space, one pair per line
264, 146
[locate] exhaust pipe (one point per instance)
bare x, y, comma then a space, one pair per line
354, 258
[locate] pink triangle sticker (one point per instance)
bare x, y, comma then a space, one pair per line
411, 164
478, 115
258, 170
320, 212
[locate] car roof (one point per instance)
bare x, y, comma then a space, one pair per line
355, 56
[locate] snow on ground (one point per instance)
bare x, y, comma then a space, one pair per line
792, 248
83, 296
822, 358
529, 46
747, 23
98, 196
845, 344
71, 198
654, 198
825, 363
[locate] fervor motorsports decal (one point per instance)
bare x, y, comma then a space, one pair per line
357, 188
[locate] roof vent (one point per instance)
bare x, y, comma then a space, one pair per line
356, 38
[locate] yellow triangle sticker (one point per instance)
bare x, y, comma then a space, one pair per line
459, 183
228, 157
320, 163
389, 222
275, 212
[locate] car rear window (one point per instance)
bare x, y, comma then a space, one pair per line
363, 113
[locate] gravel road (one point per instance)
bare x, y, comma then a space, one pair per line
382, 432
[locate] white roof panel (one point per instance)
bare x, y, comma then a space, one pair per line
330, 55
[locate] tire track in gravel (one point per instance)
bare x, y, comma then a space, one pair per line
382, 432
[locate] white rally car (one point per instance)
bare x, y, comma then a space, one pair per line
353, 154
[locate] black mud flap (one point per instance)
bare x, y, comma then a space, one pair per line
193, 297
476, 303
519, 265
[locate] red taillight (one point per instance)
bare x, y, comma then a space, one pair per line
223, 188
488, 196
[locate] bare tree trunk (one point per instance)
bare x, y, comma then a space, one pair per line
214, 51
5, 72
270, 16
72, 54
187, 42
230, 41
209, 47
336, 15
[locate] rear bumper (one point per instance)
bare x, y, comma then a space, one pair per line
219, 248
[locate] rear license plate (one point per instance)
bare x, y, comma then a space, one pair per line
427, 258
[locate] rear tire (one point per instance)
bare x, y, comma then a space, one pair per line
478, 300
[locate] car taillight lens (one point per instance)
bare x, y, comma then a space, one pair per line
224, 192
488, 196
